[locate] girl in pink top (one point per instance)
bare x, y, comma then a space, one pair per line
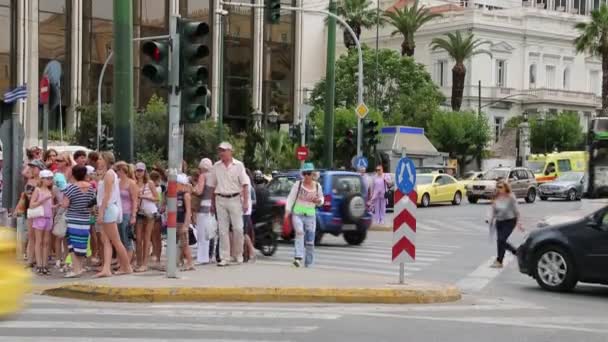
43, 225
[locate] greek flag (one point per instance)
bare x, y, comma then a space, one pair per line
15, 94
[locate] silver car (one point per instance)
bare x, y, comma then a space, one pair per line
568, 185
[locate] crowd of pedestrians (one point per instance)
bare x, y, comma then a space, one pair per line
87, 212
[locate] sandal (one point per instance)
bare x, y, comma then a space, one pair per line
72, 274
187, 268
45, 271
141, 269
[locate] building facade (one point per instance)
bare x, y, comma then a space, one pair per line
77, 34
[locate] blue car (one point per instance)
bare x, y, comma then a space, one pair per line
344, 211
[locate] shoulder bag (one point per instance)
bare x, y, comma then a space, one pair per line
288, 221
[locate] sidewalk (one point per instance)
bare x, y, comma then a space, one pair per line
251, 283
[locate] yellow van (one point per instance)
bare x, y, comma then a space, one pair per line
547, 167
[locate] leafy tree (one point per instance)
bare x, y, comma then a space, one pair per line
464, 135
407, 21
358, 14
593, 38
86, 134
277, 153
460, 48
403, 91
562, 131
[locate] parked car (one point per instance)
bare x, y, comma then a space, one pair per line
14, 280
344, 211
522, 182
568, 185
469, 177
568, 248
437, 188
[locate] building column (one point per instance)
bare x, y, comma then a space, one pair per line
258, 58
76, 64
30, 118
298, 94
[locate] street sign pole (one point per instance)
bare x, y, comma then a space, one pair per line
404, 218
175, 136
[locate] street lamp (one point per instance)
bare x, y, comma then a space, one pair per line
257, 120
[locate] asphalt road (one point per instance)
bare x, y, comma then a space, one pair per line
453, 245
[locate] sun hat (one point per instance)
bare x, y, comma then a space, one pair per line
225, 146
205, 163
182, 178
308, 167
90, 170
140, 166
37, 163
46, 174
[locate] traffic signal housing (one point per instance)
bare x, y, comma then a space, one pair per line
370, 132
156, 70
273, 11
194, 76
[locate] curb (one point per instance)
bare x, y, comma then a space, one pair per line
383, 295
380, 228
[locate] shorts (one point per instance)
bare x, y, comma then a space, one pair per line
182, 235
42, 223
111, 214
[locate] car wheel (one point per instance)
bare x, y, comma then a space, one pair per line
572, 195
472, 199
457, 198
425, 201
355, 238
554, 269
531, 196
543, 198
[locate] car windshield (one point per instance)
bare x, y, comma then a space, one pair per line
495, 174
281, 186
424, 179
536, 166
570, 177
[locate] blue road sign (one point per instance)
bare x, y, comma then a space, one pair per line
405, 175
360, 162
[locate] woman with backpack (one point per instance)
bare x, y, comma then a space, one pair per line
304, 198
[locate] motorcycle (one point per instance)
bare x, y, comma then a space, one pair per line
263, 217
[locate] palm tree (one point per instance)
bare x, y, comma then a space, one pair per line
407, 21
594, 39
460, 48
358, 14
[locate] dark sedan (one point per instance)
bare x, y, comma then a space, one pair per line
568, 248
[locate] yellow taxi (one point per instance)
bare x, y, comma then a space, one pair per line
14, 279
438, 188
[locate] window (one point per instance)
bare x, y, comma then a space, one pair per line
498, 123
550, 76
447, 180
522, 174
566, 79
344, 185
564, 165
439, 180
442, 73
501, 73
594, 82
532, 76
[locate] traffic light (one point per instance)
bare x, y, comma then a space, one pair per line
194, 76
156, 70
273, 11
370, 129
106, 143
310, 132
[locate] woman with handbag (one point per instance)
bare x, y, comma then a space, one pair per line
128, 200
33, 179
183, 220
305, 196
41, 213
146, 215
378, 191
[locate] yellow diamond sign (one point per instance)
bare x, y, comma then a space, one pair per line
362, 110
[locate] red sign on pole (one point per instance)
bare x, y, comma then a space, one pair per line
45, 90
302, 153
404, 227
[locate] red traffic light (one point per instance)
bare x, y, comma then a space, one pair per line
154, 50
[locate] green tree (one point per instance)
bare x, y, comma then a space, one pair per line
278, 153
407, 21
404, 91
358, 14
464, 135
460, 48
593, 38
86, 134
562, 132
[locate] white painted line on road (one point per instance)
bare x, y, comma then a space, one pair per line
378, 257
113, 326
482, 275
116, 339
182, 313
419, 251
422, 226
430, 245
346, 269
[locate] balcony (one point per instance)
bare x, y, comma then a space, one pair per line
563, 97
486, 92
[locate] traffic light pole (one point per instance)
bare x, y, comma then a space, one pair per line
176, 133
353, 35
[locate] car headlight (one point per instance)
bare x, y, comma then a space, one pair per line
468, 187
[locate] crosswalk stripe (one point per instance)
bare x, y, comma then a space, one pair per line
349, 256
363, 263
419, 249
423, 226
80, 325
130, 339
352, 269
418, 244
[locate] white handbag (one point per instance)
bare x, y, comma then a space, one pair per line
60, 225
209, 224
35, 212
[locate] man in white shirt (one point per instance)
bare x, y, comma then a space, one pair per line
229, 179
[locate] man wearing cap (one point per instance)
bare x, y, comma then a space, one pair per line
231, 188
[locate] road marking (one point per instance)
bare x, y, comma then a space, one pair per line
430, 245
482, 275
112, 339
422, 226
113, 326
352, 257
336, 268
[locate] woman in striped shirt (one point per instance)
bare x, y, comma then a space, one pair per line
78, 199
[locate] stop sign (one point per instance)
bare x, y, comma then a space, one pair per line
302, 153
45, 90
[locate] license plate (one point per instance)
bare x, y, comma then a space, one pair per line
349, 227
